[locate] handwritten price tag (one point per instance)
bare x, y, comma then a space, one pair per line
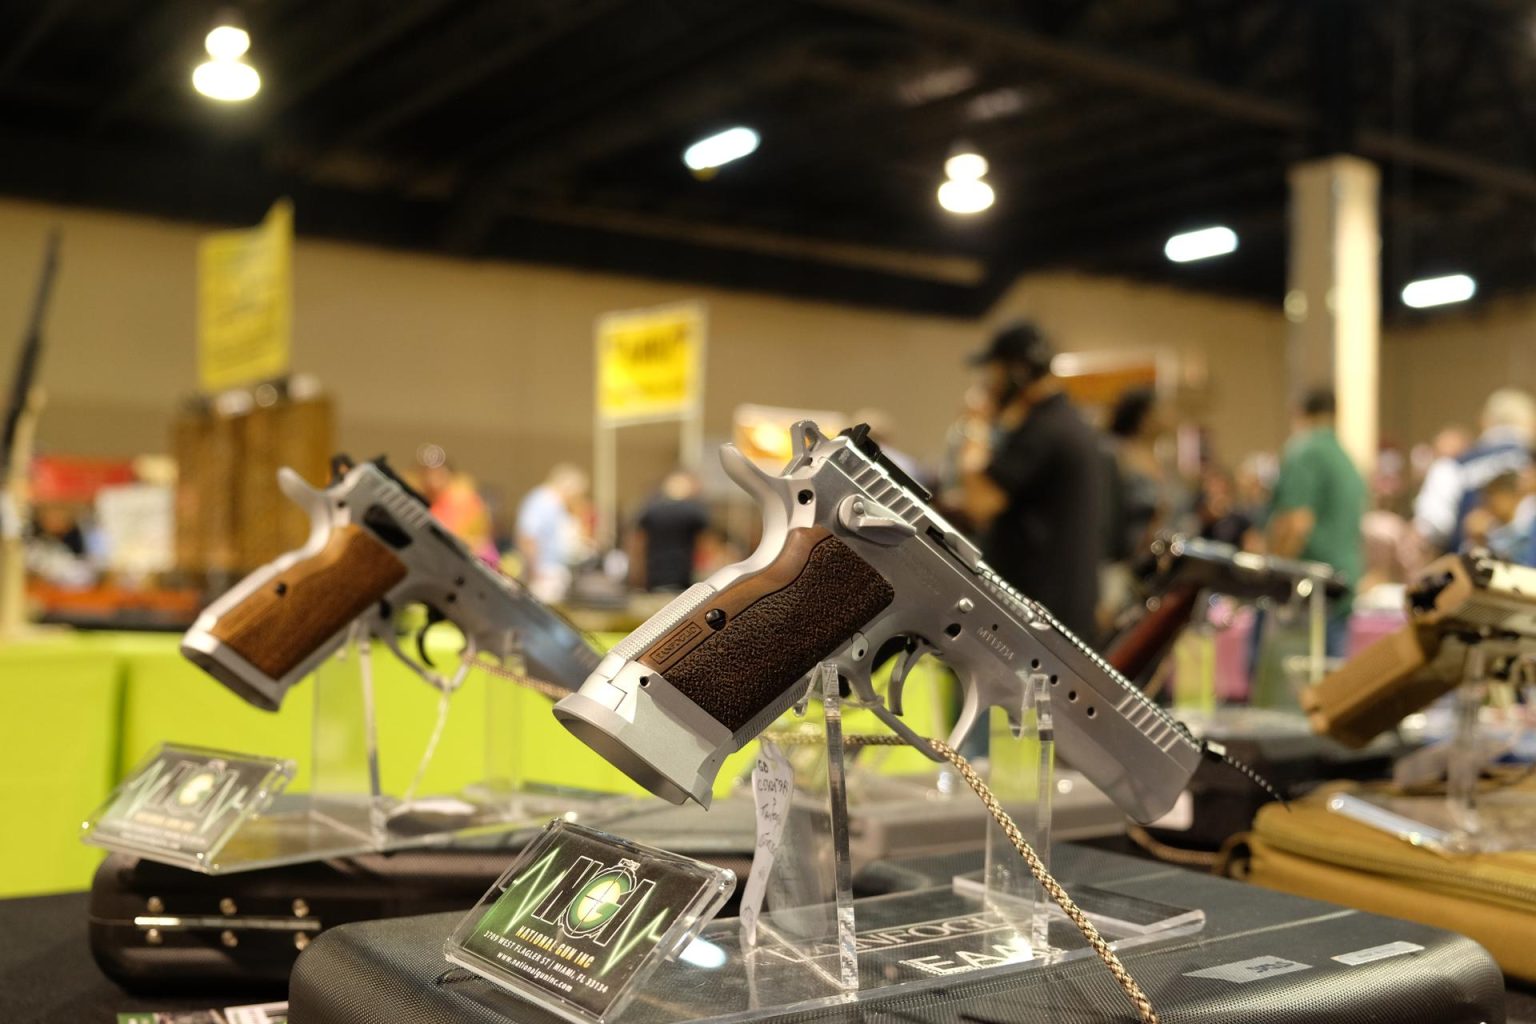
773, 786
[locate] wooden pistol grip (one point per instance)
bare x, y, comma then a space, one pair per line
748, 644
287, 620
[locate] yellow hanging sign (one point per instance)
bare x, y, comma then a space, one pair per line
245, 302
649, 363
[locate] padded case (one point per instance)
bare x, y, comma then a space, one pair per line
394, 970
244, 930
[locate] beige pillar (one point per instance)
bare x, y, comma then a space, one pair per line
1333, 301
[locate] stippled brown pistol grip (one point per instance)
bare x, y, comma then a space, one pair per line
742, 650
285, 621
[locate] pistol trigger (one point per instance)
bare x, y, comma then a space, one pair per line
969, 712
903, 664
421, 647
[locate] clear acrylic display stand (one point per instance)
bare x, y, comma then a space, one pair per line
1293, 651
1471, 817
814, 945
346, 809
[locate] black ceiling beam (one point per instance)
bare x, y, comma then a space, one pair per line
422, 97
47, 18
648, 75
223, 187
157, 42
1180, 88
403, 19
1079, 60
674, 101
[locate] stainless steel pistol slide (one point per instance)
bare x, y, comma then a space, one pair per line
374, 549
855, 568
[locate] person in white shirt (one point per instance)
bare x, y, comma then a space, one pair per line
1453, 487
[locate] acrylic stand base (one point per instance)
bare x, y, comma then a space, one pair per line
814, 945
347, 810
1473, 816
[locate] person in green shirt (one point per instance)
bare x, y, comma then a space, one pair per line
1318, 504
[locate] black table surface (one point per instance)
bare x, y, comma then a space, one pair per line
47, 975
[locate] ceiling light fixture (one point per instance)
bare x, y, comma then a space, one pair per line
1439, 291
227, 42
227, 77
964, 192
966, 196
720, 149
1200, 245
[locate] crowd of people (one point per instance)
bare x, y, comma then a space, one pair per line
1063, 509
1064, 499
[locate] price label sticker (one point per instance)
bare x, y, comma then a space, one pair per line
773, 789
1369, 956
1254, 969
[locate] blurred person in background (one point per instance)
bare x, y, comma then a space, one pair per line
1392, 553
1503, 518
455, 501
1137, 498
1254, 482
1217, 512
1031, 479
549, 531
1318, 505
976, 408
1453, 485
664, 545
1147, 491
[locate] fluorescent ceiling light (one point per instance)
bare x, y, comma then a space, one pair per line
1200, 245
720, 148
1439, 291
228, 81
965, 166
966, 195
227, 42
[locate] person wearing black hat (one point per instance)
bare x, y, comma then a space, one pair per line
1032, 480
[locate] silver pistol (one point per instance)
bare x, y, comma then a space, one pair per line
374, 549
855, 568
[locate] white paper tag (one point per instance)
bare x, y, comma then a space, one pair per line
1374, 953
262, 1013
773, 787
1180, 817
1256, 969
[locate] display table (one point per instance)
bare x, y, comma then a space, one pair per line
60, 700
47, 975
79, 710
1262, 958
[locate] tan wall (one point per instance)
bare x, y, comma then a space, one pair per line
1240, 346
1439, 371
494, 360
